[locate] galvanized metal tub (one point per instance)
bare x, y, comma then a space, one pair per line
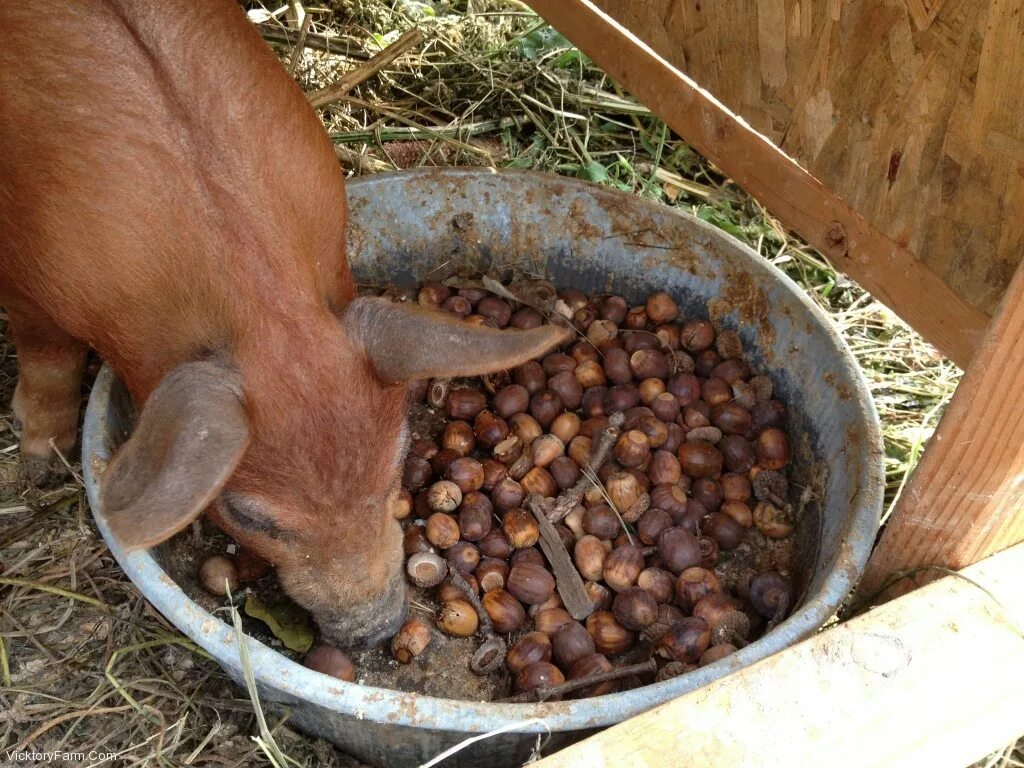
414, 225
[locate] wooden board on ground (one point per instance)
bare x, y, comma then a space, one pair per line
933, 678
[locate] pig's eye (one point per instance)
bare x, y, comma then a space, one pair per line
250, 514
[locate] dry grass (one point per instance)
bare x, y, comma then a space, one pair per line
85, 663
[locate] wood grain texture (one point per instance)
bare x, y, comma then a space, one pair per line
965, 500
853, 244
910, 110
931, 679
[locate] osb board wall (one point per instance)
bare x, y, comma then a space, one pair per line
912, 111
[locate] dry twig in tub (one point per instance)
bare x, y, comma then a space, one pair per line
571, 497
543, 693
491, 653
567, 579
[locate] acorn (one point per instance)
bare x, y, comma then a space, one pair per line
433, 294
526, 318
600, 521
558, 362
555, 601
218, 575
590, 374
551, 620
417, 472
731, 370
496, 309
707, 492
674, 437
530, 555
679, 549
540, 482
565, 427
414, 539
442, 530
710, 552
621, 397
716, 653
531, 376
465, 403
735, 487
545, 406
569, 643
525, 427
593, 404
489, 429
705, 362
770, 594
610, 637
622, 566
658, 583
589, 556
651, 390
731, 418
737, 454
426, 569
649, 364
665, 406
529, 649
739, 512
494, 473
632, 449
600, 332
410, 641
475, 516
458, 618
700, 459
530, 584
722, 613
614, 308
583, 351
458, 437
669, 335
505, 611
616, 365
330, 661
593, 664
457, 305
510, 400
635, 608
568, 389
671, 498
651, 524
685, 641
491, 573
623, 490
520, 528
507, 494
580, 449
444, 496
495, 544
600, 596
696, 335
540, 674
545, 449
686, 388
693, 585
508, 450
715, 392
447, 590
772, 448
440, 462
463, 556
636, 318
565, 471
661, 308
723, 529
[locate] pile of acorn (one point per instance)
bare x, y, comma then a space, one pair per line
695, 465
649, 447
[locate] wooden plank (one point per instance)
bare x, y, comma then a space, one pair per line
931, 679
908, 110
853, 244
965, 500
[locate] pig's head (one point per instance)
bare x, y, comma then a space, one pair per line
294, 441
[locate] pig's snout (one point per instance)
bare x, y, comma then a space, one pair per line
368, 624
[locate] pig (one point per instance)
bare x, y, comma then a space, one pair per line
169, 199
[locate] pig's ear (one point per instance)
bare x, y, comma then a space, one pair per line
190, 437
406, 341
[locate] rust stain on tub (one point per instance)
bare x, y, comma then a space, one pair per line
744, 295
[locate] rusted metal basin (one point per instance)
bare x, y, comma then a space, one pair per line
414, 225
